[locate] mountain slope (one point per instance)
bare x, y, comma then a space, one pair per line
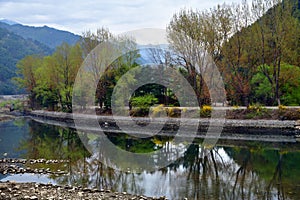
45, 35
12, 49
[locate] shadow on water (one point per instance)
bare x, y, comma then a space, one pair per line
231, 170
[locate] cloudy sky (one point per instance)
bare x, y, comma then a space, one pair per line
119, 16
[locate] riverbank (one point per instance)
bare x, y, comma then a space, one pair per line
35, 191
110, 120
5, 117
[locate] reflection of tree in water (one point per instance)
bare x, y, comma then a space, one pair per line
244, 174
54, 143
219, 173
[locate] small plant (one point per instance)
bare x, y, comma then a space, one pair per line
158, 111
205, 111
173, 112
257, 108
257, 111
236, 107
282, 107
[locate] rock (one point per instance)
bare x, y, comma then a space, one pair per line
44, 191
297, 124
86, 190
80, 194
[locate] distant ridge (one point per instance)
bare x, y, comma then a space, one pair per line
9, 22
50, 37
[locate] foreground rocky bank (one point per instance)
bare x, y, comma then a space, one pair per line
35, 191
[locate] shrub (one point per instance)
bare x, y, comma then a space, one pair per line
158, 111
174, 112
236, 107
141, 104
257, 111
17, 104
282, 107
205, 111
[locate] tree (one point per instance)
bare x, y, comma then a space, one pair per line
239, 56
27, 69
276, 29
289, 85
195, 36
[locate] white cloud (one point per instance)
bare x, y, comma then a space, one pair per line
117, 15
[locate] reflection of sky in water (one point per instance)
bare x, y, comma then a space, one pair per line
177, 182
24, 178
163, 184
11, 133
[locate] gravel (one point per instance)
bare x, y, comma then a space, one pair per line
32, 191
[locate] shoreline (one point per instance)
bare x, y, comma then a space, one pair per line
253, 123
34, 191
232, 129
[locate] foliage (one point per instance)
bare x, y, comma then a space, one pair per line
256, 49
142, 103
174, 111
257, 111
12, 49
49, 80
17, 104
289, 83
242, 39
282, 107
205, 111
158, 111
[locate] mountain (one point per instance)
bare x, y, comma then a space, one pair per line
13, 48
48, 36
9, 22
18, 41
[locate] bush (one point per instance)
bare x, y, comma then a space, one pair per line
158, 111
141, 104
174, 112
205, 111
282, 107
257, 111
17, 104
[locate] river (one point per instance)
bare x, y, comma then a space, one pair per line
233, 169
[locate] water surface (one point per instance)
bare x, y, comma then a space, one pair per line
231, 170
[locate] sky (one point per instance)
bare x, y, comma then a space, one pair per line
118, 16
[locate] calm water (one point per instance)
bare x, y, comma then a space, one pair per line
231, 170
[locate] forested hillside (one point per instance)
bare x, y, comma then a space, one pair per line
18, 41
12, 49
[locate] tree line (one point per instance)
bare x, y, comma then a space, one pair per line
256, 48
